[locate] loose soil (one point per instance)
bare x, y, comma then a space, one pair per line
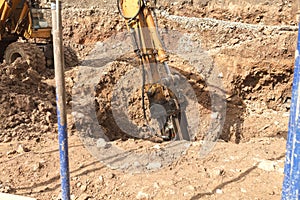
251, 46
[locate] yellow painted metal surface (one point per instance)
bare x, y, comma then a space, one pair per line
130, 8
41, 33
19, 17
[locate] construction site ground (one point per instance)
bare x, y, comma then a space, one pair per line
251, 43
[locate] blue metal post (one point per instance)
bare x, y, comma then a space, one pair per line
60, 99
291, 183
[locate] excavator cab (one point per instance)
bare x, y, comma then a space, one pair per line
38, 19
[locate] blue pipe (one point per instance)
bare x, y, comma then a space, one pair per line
60, 99
291, 183
64, 158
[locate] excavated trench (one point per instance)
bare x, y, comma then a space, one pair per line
260, 90
109, 89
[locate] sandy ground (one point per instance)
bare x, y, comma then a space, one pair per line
252, 49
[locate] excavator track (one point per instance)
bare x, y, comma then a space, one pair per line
27, 51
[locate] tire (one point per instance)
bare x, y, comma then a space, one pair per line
27, 51
71, 59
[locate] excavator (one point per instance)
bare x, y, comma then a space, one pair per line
166, 103
24, 20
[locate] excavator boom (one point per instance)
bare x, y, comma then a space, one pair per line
160, 90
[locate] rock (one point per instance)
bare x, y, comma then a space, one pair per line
84, 197
186, 194
142, 196
154, 165
22, 149
37, 166
276, 123
83, 188
218, 172
219, 191
214, 115
136, 164
156, 185
190, 188
220, 75
243, 190
111, 176
101, 143
78, 184
73, 197
43, 189
101, 179
267, 165
44, 128
125, 166
234, 41
7, 139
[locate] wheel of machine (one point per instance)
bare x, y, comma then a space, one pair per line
70, 56
27, 51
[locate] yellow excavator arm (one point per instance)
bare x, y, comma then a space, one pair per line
137, 12
159, 90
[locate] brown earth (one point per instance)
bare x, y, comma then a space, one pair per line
254, 58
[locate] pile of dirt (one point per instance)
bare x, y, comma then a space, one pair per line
84, 27
27, 103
